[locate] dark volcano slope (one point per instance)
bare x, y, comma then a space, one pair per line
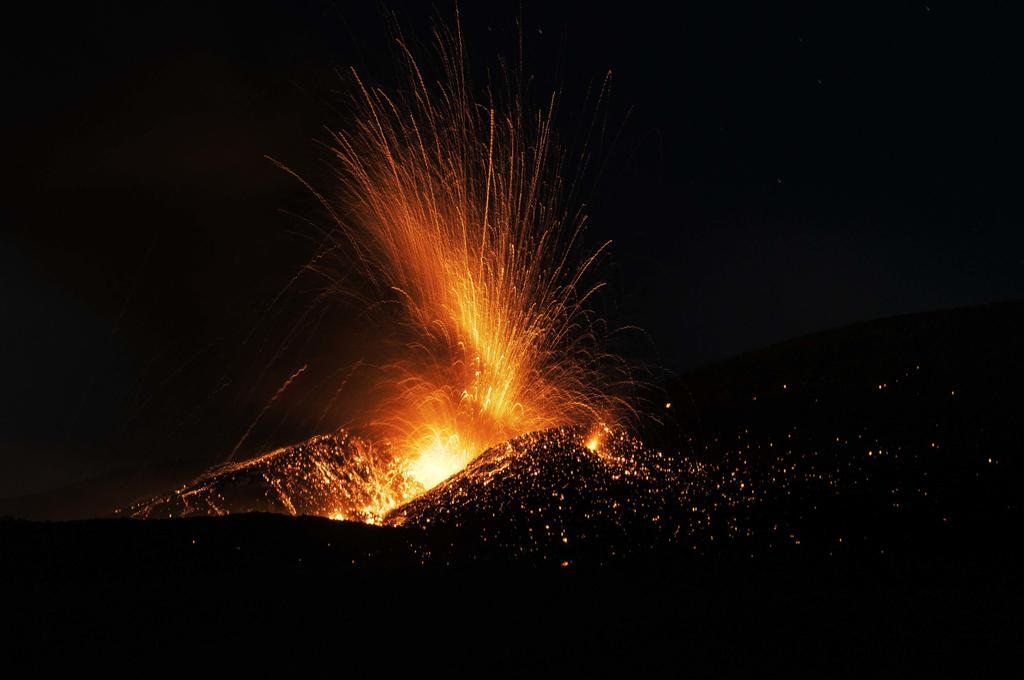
912, 424
547, 497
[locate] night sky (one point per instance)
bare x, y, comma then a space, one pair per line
766, 174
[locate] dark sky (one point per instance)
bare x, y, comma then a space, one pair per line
778, 172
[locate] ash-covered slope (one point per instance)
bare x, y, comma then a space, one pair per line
334, 475
548, 494
547, 497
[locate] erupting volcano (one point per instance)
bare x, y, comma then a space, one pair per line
452, 205
500, 415
341, 367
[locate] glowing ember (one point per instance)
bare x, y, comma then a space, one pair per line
594, 438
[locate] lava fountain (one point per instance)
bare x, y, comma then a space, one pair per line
454, 205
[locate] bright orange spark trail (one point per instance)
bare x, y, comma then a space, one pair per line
455, 207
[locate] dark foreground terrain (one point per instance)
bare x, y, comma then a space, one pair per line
309, 592
845, 504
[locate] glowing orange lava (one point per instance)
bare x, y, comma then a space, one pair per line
439, 459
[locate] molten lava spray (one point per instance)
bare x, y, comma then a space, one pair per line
454, 205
